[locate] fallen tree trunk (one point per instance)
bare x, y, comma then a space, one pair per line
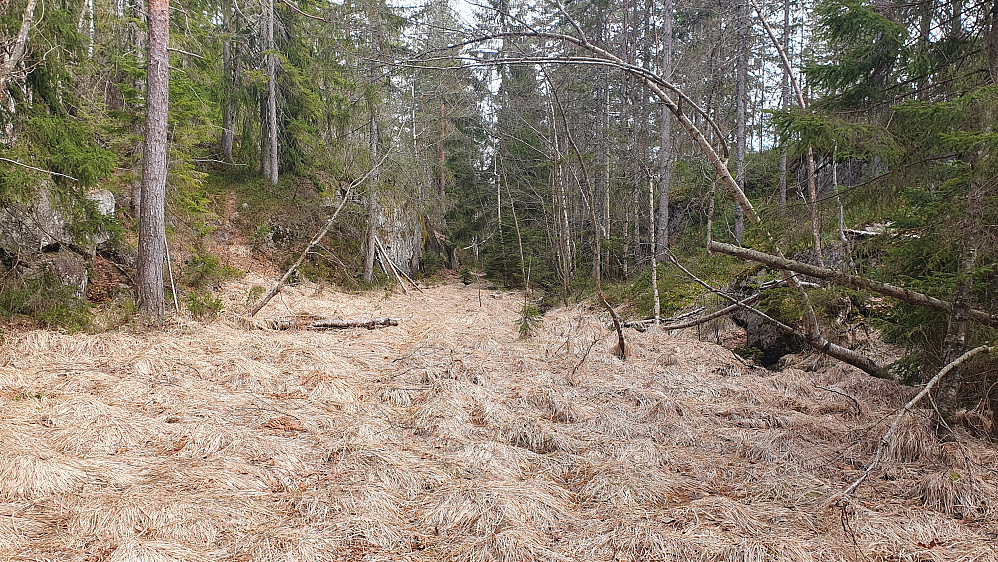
314, 323
812, 337
839, 278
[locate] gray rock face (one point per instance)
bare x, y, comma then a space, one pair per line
767, 338
106, 206
29, 229
36, 234
401, 232
69, 268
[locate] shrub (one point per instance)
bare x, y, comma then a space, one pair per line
203, 305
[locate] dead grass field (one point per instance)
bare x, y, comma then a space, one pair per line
447, 438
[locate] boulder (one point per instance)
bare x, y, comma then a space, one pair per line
771, 342
31, 228
69, 268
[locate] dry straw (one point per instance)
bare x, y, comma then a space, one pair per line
450, 438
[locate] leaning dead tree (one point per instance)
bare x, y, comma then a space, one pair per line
716, 155
314, 242
856, 282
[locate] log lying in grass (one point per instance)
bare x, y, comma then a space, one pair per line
315, 323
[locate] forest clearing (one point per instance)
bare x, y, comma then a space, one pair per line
498, 280
449, 437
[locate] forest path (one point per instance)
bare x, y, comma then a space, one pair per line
450, 438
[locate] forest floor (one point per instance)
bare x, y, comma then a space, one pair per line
449, 437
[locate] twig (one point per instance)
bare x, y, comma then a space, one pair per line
859, 410
586, 354
987, 348
169, 267
38, 169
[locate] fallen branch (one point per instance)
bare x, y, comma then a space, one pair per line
859, 410
839, 278
314, 323
987, 348
720, 313
394, 267
813, 338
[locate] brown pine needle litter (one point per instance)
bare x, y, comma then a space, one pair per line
449, 437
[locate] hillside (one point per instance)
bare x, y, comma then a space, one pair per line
448, 438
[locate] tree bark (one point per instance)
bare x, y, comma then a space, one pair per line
993, 43
372, 219
785, 105
14, 56
656, 303
229, 76
443, 152
665, 141
956, 331
839, 278
741, 92
152, 224
271, 96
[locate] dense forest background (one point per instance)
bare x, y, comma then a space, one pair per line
568, 149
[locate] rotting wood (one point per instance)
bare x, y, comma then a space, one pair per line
313, 323
844, 279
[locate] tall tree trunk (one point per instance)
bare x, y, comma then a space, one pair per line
372, 202
229, 77
90, 28
956, 332
656, 303
992, 40
264, 138
11, 58
443, 152
741, 92
372, 219
661, 242
784, 104
152, 224
271, 96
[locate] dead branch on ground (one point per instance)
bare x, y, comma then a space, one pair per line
987, 348
313, 323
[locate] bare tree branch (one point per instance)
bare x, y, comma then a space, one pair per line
38, 169
988, 348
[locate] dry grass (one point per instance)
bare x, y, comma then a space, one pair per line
450, 438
